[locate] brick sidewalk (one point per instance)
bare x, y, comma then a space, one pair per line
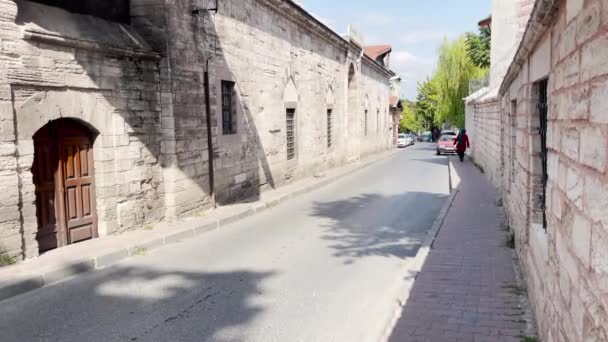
467, 289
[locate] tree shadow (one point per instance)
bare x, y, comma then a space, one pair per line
391, 226
131, 303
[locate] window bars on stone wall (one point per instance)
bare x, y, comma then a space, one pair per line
542, 109
329, 142
228, 107
291, 139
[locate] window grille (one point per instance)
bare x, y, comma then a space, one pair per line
291, 139
228, 106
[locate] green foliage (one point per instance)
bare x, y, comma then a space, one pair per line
454, 71
6, 260
426, 103
409, 121
478, 47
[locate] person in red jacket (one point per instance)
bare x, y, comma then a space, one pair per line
462, 143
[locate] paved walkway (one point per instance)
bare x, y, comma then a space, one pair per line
467, 289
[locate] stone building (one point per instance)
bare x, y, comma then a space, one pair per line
545, 145
116, 114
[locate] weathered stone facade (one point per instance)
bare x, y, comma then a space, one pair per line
139, 86
564, 261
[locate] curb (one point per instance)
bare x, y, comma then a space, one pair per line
414, 266
33, 281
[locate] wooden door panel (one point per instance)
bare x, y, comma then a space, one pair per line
77, 162
45, 175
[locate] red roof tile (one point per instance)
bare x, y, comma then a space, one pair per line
376, 51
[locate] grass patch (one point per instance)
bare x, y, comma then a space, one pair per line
140, 251
6, 260
148, 227
529, 339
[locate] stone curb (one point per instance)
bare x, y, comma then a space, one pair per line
77, 267
414, 266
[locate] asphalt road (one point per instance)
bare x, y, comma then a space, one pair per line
324, 266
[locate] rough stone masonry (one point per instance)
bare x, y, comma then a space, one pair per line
552, 104
280, 86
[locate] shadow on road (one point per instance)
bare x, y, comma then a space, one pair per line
136, 304
391, 226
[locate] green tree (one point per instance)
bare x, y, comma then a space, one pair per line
454, 71
409, 121
426, 103
478, 47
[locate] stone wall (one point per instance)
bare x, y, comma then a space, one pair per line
566, 262
277, 63
53, 67
486, 136
140, 88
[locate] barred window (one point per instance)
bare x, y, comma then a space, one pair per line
542, 109
377, 121
329, 142
228, 108
291, 139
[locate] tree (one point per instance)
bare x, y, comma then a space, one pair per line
478, 47
426, 103
409, 121
454, 71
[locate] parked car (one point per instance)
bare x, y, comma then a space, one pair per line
411, 139
401, 140
448, 133
446, 144
426, 137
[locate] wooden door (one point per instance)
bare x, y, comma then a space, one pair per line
48, 203
65, 185
78, 185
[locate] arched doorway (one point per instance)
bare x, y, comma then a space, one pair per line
63, 173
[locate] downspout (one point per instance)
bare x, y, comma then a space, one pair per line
209, 134
206, 85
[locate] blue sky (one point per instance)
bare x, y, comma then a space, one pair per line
415, 29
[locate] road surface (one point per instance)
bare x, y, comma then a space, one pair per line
324, 266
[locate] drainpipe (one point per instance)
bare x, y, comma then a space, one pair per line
198, 13
209, 134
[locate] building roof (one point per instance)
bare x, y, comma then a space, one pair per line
376, 51
487, 22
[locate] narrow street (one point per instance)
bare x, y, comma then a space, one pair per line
325, 266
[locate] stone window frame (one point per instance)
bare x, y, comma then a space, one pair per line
228, 139
234, 127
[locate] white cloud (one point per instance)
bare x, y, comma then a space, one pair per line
413, 68
421, 36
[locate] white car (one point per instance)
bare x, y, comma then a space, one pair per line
404, 140
401, 140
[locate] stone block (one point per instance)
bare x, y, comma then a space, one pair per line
567, 72
573, 7
588, 22
593, 148
574, 187
566, 261
570, 143
599, 102
581, 239
593, 58
595, 200
599, 252
567, 42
